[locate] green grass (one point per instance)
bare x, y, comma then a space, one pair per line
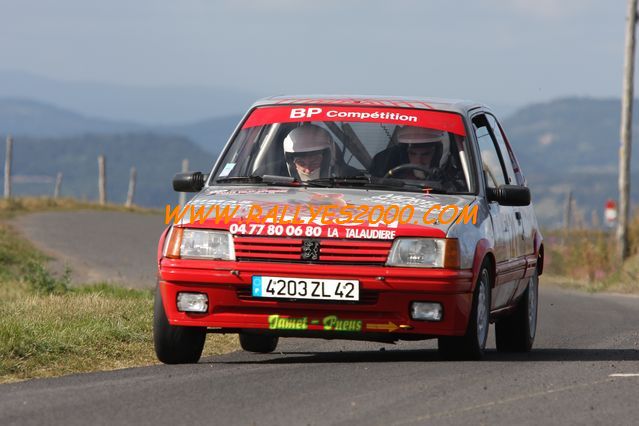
44, 335
15, 254
49, 328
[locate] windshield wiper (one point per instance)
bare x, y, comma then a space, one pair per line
265, 179
251, 179
375, 182
359, 180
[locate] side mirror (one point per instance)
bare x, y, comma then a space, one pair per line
189, 182
509, 195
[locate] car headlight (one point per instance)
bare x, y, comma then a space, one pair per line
424, 253
188, 243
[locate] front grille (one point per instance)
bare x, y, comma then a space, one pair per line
366, 297
332, 251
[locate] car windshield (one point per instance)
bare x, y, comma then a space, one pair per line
332, 145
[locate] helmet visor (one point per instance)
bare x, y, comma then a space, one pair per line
310, 160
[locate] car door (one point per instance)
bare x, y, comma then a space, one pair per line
519, 243
503, 217
524, 215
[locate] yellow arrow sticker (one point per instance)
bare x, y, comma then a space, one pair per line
389, 326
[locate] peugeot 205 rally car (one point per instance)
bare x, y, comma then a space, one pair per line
378, 219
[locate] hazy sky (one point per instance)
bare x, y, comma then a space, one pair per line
507, 51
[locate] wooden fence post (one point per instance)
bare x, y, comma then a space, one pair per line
7, 168
131, 193
568, 211
58, 184
102, 179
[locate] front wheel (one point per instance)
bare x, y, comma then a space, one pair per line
175, 344
471, 345
516, 332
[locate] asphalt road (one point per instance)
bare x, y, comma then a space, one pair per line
98, 246
584, 370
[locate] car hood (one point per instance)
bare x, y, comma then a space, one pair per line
301, 201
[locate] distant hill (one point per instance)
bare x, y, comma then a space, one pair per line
170, 105
25, 117
572, 143
156, 157
32, 118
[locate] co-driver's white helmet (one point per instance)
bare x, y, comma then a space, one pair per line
412, 135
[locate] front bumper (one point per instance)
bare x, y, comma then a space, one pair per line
384, 306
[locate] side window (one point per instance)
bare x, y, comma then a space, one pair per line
491, 163
505, 152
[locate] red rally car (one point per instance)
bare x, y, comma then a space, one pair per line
337, 217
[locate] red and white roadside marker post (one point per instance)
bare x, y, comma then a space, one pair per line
610, 213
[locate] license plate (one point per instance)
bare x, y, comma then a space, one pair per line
305, 288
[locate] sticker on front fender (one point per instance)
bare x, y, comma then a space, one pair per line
327, 323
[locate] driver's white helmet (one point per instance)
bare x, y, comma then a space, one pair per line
306, 140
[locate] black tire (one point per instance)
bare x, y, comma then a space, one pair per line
516, 332
175, 344
259, 343
471, 346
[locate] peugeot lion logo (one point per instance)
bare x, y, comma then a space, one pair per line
310, 250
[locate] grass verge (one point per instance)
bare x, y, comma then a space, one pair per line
586, 259
48, 328
9, 208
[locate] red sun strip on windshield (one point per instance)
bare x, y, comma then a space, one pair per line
446, 121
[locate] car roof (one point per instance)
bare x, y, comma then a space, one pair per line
453, 105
